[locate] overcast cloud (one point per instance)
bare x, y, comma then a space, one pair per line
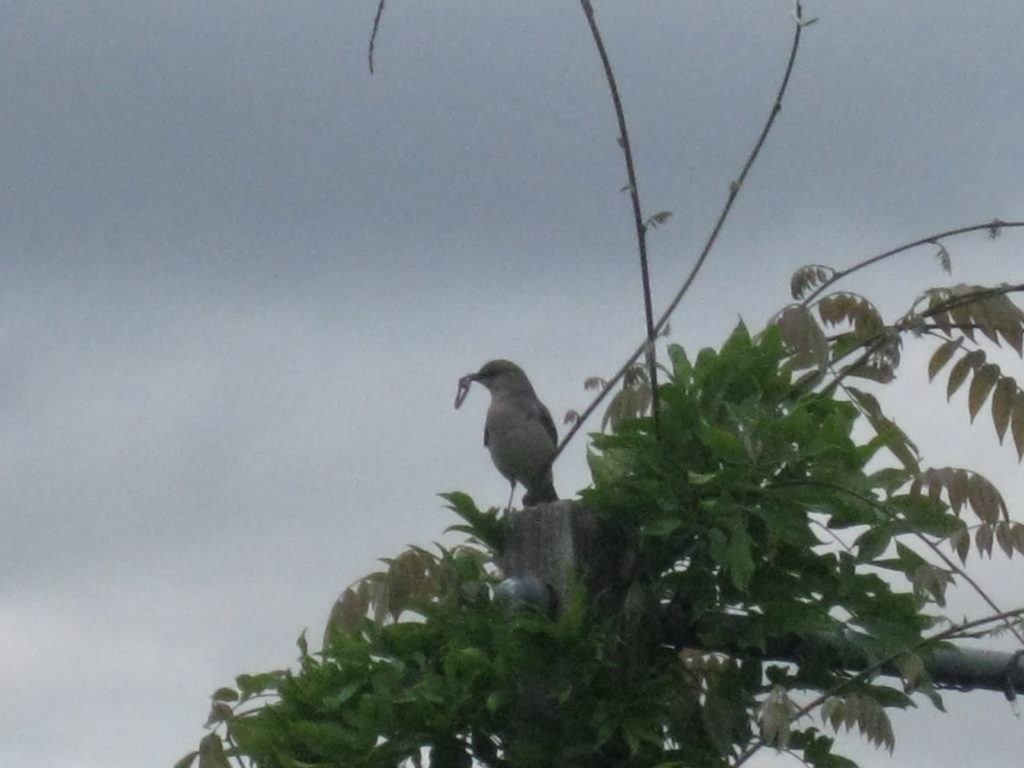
241, 277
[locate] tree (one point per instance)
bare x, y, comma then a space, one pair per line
748, 515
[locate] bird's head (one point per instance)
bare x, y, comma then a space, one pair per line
499, 376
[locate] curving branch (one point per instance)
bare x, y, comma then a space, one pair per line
734, 189
993, 228
634, 194
373, 33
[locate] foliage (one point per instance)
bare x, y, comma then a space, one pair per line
730, 513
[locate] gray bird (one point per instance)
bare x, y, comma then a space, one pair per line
519, 431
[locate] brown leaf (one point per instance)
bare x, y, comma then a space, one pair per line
832, 710
803, 335
944, 261
958, 489
983, 540
1018, 537
934, 479
984, 379
1017, 423
349, 611
1004, 538
1002, 404
808, 278
960, 541
985, 499
963, 366
942, 356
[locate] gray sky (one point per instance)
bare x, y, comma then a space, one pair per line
241, 278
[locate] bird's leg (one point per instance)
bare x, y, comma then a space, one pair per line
511, 493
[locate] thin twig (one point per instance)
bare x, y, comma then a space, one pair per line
734, 189
1003, 616
634, 194
373, 33
930, 240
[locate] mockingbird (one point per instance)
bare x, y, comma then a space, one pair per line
519, 431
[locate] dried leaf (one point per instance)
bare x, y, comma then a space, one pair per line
958, 485
963, 366
1004, 537
851, 308
832, 711
960, 541
803, 335
809, 277
942, 356
1002, 405
1017, 423
986, 501
985, 379
943, 256
775, 716
657, 219
983, 540
348, 612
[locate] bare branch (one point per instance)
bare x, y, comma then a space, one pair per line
634, 194
373, 33
734, 189
929, 240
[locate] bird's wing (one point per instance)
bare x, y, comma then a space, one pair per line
548, 422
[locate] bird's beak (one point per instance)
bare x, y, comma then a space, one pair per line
463, 390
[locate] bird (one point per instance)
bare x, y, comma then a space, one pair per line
519, 431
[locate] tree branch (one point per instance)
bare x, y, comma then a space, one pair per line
634, 194
734, 189
995, 225
373, 33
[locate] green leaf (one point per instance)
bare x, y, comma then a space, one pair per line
738, 558
872, 543
187, 760
661, 528
225, 694
681, 367
487, 527
725, 445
